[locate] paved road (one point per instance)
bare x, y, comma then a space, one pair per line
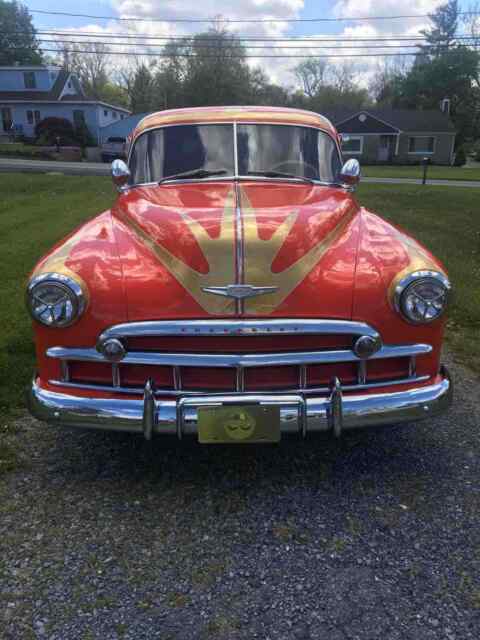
445, 183
375, 536
100, 169
18, 165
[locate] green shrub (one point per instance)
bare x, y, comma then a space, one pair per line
49, 129
460, 157
83, 136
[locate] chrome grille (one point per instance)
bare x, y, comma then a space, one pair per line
240, 368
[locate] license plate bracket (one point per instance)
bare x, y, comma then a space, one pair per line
238, 423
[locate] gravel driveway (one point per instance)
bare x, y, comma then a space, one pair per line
374, 536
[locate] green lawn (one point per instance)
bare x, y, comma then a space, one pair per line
37, 210
447, 221
20, 150
435, 172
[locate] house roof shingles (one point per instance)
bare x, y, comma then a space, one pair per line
411, 120
54, 94
39, 96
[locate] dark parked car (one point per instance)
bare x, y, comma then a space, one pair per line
114, 147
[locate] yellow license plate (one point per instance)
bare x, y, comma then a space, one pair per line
235, 424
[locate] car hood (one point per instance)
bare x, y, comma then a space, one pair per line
293, 246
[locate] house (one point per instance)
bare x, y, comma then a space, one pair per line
120, 128
30, 94
396, 136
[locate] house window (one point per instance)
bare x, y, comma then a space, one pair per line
29, 80
30, 117
121, 116
352, 144
37, 116
105, 112
78, 117
421, 144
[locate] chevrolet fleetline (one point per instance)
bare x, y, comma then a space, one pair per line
237, 291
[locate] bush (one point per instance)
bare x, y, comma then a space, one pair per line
83, 136
460, 157
475, 150
47, 131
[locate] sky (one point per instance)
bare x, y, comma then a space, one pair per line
262, 11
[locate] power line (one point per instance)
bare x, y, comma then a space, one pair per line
230, 57
264, 47
305, 40
235, 20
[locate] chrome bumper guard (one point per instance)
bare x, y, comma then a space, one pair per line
298, 414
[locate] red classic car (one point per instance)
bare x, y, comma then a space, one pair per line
236, 290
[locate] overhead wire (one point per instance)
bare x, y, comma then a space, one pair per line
220, 19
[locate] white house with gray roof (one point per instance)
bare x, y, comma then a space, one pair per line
395, 136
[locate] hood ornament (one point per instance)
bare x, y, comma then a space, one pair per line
239, 291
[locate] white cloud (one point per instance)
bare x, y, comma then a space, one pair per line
278, 69
387, 8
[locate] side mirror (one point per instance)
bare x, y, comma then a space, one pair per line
350, 173
120, 174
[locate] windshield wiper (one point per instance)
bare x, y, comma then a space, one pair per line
280, 174
194, 173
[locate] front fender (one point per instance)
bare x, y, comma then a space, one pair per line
385, 252
90, 254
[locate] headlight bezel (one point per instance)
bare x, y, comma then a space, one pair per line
71, 287
416, 277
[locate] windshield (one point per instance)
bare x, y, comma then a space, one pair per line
301, 151
180, 149
262, 149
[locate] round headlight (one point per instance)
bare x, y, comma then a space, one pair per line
55, 300
422, 296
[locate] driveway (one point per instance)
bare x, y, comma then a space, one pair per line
101, 169
105, 536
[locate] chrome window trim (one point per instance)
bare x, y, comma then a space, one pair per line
235, 360
236, 176
155, 328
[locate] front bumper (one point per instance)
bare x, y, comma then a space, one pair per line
298, 414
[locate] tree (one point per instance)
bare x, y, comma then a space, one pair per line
18, 42
471, 20
446, 69
311, 74
441, 36
386, 80
327, 86
217, 72
142, 90
91, 66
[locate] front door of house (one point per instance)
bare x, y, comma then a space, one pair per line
383, 154
6, 119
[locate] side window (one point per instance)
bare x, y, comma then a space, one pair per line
30, 117
29, 80
37, 117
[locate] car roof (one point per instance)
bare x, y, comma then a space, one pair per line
204, 115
